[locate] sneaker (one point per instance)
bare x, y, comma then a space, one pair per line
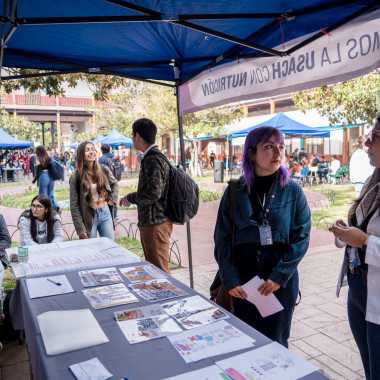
116, 217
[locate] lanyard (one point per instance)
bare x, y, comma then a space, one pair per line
262, 204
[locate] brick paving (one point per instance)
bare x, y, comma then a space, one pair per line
320, 331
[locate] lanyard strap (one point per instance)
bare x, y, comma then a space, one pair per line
262, 204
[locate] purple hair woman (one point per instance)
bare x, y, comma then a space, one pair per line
271, 233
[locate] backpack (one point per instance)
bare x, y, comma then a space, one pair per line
57, 170
183, 194
116, 167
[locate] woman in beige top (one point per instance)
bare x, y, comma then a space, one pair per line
93, 193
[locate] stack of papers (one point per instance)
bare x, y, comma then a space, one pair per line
108, 296
193, 312
69, 330
103, 276
145, 323
210, 340
159, 290
142, 273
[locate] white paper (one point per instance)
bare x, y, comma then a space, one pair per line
41, 287
209, 373
69, 330
210, 340
266, 305
76, 255
193, 312
90, 370
272, 361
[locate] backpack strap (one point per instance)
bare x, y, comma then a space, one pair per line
234, 193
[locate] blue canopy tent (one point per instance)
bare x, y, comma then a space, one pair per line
115, 138
287, 126
75, 144
100, 138
164, 41
9, 142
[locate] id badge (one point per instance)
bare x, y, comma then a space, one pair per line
266, 235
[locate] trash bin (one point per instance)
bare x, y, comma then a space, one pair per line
218, 170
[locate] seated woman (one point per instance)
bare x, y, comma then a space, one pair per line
40, 224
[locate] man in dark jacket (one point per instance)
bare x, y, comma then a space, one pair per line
106, 151
151, 196
5, 242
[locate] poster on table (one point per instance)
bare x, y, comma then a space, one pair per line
142, 273
145, 323
193, 312
102, 276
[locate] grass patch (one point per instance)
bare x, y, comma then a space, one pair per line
344, 197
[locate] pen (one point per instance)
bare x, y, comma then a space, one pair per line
53, 282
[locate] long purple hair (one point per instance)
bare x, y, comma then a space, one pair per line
255, 137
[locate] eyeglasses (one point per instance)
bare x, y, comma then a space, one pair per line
37, 207
372, 133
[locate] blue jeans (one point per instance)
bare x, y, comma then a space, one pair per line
102, 223
251, 262
46, 186
366, 334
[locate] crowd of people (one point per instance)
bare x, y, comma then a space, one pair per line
267, 236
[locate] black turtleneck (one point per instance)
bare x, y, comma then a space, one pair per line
260, 186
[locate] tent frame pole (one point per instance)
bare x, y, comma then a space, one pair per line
183, 159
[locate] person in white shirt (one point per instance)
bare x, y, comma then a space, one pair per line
40, 224
361, 264
335, 165
360, 167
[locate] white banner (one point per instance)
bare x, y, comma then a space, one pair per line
349, 52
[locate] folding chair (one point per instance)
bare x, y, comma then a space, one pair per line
301, 177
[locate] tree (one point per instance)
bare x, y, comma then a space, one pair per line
158, 103
346, 103
19, 127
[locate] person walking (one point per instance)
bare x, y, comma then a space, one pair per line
151, 195
44, 175
93, 192
107, 155
361, 264
271, 234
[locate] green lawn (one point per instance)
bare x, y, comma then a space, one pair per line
344, 197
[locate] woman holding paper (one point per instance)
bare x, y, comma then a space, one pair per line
93, 193
40, 224
271, 234
361, 264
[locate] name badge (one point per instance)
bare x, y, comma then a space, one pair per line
266, 235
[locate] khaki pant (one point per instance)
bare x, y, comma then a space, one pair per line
156, 241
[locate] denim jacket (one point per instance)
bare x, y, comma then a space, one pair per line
289, 218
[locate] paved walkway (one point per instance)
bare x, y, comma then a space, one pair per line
320, 331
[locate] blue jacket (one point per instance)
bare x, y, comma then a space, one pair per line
289, 218
104, 159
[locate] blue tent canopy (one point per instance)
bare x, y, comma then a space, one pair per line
287, 126
75, 144
9, 142
115, 138
100, 138
162, 40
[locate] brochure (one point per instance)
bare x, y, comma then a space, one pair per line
108, 296
159, 290
103, 276
145, 323
193, 312
142, 273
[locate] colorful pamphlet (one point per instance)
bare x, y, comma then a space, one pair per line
193, 312
159, 290
145, 323
103, 276
210, 340
108, 296
142, 273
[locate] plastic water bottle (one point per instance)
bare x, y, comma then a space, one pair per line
22, 252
